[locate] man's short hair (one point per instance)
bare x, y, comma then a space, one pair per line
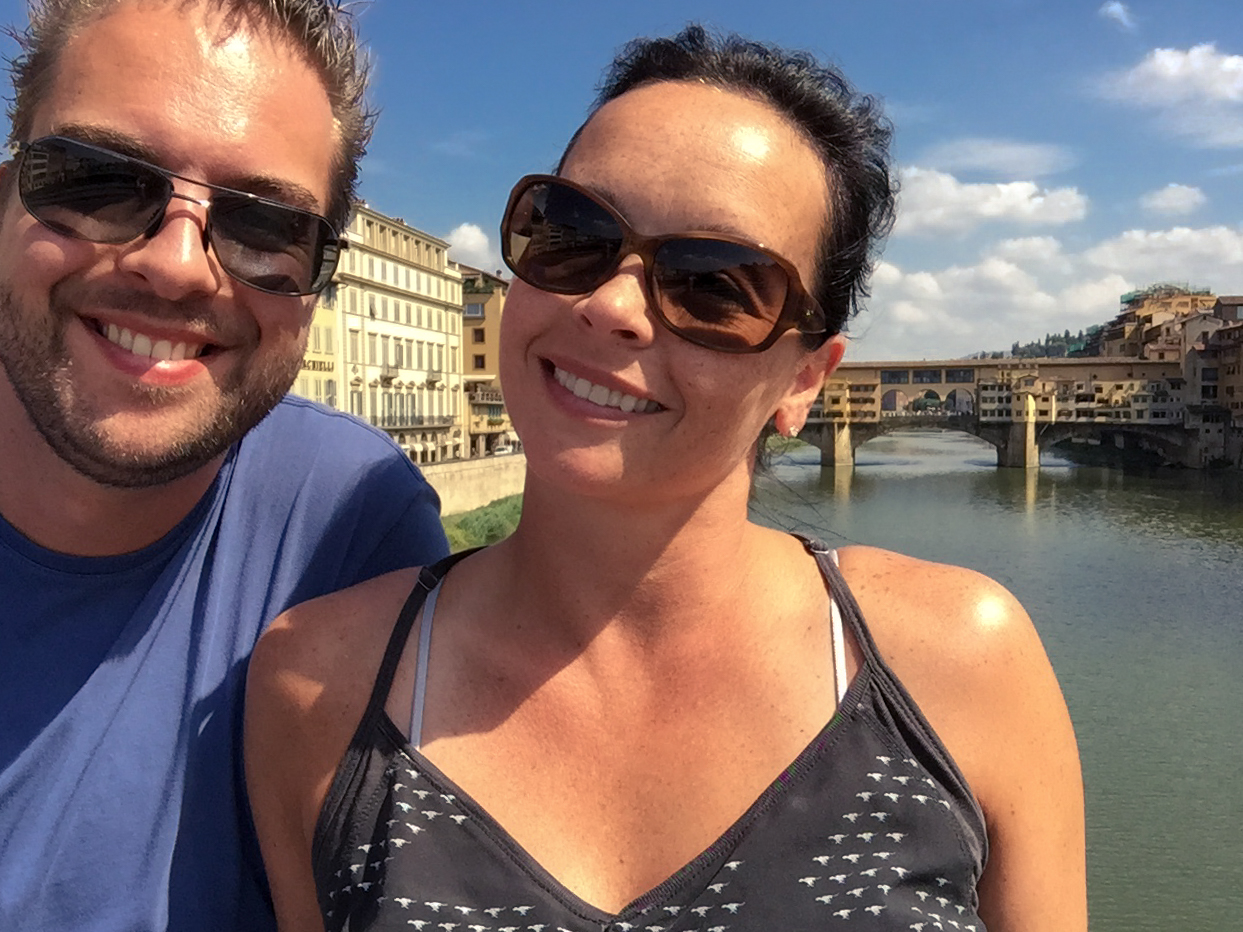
845, 128
323, 30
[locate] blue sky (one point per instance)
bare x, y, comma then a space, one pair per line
1053, 154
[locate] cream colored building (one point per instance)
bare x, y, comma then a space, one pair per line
1149, 325
320, 378
386, 339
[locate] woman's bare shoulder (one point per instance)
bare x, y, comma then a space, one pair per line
318, 638
316, 663
917, 609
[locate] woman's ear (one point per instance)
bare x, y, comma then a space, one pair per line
814, 368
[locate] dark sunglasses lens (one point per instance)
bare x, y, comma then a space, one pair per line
719, 294
87, 194
560, 240
274, 248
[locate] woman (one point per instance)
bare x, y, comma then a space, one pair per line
642, 711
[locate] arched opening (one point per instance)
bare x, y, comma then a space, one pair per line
960, 401
894, 401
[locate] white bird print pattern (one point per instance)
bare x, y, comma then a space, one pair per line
874, 843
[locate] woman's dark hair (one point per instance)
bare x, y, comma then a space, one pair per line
846, 129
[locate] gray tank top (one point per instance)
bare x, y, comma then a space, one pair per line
871, 827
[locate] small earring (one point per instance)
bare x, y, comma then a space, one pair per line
792, 431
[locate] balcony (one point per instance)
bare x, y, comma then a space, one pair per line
486, 396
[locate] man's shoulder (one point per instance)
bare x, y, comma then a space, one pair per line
305, 441
299, 425
311, 464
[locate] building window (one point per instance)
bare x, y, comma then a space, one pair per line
479, 362
371, 348
473, 310
959, 376
354, 355
927, 376
477, 335
894, 376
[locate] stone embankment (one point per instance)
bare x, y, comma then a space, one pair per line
467, 484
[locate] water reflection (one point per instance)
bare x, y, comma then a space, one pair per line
1133, 581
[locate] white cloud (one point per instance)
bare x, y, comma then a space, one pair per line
1020, 289
1208, 256
1173, 199
935, 201
1043, 253
1004, 158
1196, 93
469, 244
1118, 13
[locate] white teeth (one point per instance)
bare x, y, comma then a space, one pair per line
142, 345
598, 394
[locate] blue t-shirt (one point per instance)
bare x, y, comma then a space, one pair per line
121, 678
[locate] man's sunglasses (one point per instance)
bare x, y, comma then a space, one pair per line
94, 194
715, 290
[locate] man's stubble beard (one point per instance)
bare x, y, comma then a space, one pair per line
33, 354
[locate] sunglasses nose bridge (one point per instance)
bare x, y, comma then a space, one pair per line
157, 221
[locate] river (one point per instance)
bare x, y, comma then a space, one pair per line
1135, 582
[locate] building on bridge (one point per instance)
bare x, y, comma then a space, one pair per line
1021, 405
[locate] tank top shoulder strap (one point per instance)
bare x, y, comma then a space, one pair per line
373, 739
843, 599
429, 579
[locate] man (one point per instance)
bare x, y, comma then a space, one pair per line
162, 238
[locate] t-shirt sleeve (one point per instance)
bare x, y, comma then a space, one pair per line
416, 536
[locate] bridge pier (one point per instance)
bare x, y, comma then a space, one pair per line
834, 440
1020, 449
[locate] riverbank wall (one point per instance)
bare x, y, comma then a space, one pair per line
467, 484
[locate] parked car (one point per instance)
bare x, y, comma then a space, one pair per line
502, 448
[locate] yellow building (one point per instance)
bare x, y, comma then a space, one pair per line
386, 340
483, 302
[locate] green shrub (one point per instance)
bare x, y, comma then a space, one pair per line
494, 521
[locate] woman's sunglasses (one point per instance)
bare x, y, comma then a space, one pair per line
714, 290
93, 194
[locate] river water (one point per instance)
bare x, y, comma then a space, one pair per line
1135, 581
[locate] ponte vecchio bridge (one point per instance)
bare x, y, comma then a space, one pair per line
1020, 406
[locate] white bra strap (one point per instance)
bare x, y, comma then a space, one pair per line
839, 642
420, 670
